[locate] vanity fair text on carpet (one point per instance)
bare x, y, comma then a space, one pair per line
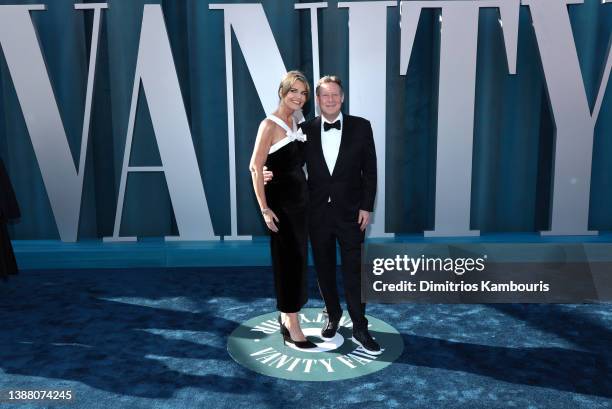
156, 74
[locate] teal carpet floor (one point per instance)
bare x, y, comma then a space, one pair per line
157, 339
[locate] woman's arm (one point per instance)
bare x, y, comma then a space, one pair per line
258, 159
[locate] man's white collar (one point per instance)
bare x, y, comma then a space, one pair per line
338, 118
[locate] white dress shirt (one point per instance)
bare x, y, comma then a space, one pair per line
330, 142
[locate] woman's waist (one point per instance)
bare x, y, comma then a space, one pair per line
287, 174
287, 185
284, 166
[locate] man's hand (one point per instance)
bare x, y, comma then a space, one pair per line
267, 175
363, 219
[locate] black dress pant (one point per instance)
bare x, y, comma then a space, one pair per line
325, 229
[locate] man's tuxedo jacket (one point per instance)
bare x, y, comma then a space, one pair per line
352, 184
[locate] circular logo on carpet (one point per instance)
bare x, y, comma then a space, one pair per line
258, 345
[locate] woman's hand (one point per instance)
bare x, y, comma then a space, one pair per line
270, 218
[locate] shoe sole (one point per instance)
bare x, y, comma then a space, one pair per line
380, 351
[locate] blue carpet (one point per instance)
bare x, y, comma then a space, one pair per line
156, 338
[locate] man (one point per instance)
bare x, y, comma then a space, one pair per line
341, 164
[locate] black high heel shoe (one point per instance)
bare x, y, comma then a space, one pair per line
283, 330
300, 344
287, 338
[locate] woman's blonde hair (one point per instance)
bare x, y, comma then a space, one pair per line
289, 79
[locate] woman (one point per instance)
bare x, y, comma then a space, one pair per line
8, 210
283, 202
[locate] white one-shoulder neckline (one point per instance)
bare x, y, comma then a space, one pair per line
292, 134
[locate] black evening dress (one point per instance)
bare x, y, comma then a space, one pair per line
8, 210
287, 196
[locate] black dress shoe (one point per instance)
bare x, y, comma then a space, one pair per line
365, 340
330, 328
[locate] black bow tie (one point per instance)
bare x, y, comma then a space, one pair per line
327, 126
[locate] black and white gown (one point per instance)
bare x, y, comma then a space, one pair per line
287, 196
